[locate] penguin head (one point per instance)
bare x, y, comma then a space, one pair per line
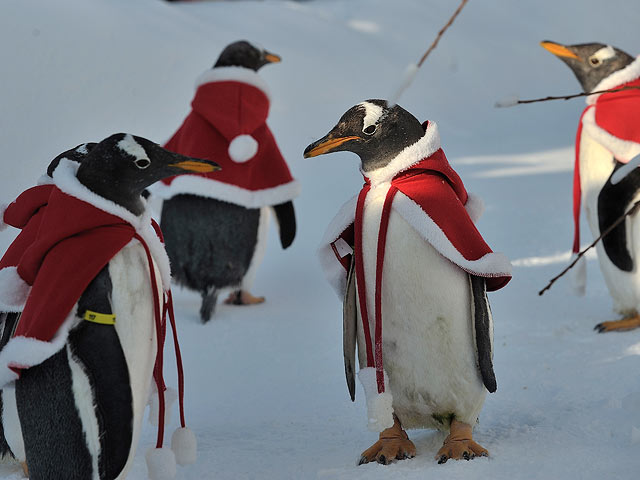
374, 131
121, 166
244, 54
76, 154
590, 62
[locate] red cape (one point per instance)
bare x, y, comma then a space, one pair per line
231, 105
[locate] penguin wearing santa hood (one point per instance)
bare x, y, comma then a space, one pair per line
608, 137
413, 272
215, 226
87, 280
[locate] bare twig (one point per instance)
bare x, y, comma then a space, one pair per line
441, 32
565, 97
618, 221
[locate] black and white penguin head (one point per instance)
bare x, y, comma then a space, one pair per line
244, 54
590, 62
372, 130
121, 166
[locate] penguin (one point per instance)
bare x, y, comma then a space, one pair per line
215, 228
608, 137
413, 272
76, 374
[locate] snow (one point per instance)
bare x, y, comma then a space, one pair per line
265, 392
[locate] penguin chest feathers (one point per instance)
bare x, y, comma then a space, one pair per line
428, 348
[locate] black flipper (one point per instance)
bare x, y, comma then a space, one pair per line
482, 327
613, 202
286, 216
349, 321
97, 347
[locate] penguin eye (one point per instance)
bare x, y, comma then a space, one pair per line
142, 163
370, 130
594, 61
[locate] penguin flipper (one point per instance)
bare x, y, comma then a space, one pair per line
286, 216
482, 326
349, 320
613, 202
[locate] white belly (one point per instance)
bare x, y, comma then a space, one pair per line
132, 300
596, 166
428, 347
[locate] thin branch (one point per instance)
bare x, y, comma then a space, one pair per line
618, 221
441, 32
565, 97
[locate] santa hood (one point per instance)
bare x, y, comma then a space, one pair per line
227, 124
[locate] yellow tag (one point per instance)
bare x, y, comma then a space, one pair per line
101, 318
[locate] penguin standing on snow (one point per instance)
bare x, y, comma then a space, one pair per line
89, 276
413, 272
215, 227
608, 137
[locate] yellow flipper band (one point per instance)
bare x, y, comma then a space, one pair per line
101, 318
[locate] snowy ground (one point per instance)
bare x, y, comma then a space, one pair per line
265, 389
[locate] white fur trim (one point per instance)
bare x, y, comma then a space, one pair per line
13, 290
170, 396
579, 277
379, 405
161, 464
623, 150
45, 180
411, 155
242, 148
332, 269
184, 445
490, 265
626, 75
27, 352
234, 74
3, 207
65, 179
474, 207
209, 188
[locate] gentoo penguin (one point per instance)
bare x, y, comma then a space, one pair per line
413, 272
76, 373
608, 137
215, 227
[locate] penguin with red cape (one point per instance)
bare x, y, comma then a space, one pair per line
87, 280
413, 272
608, 137
215, 226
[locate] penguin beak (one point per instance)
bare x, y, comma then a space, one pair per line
326, 144
197, 165
272, 57
558, 50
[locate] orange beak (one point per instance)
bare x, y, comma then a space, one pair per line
558, 50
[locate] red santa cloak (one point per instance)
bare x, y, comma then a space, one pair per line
228, 125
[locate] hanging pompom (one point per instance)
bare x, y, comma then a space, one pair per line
243, 148
184, 446
161, 464
579, 277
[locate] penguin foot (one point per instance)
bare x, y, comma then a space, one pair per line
627, 323
242, 297
460, 445
394, 444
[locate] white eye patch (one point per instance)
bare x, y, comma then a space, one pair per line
604, 53
133, 148
373, 113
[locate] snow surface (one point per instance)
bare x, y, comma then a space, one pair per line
265, 389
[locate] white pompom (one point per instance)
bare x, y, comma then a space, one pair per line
243, 148
13, 290
3, 207
170, 397
184, 446
579, 277
379, 405
161, 464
